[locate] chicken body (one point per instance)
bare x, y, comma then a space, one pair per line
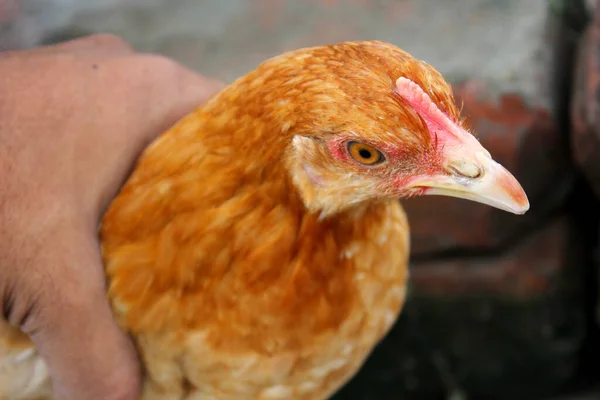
258, 250
241, 293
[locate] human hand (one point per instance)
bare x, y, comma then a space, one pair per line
73, 118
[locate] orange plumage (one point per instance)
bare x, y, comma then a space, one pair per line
254, 253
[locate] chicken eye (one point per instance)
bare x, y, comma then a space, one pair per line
365, 154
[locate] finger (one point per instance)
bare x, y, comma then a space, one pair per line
88, 356
173, 90
99, 45
178, 93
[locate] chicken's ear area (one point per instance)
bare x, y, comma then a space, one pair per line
466, 168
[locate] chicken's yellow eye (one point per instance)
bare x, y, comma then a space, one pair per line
365, 154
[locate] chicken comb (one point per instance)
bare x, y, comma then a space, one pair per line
436, 120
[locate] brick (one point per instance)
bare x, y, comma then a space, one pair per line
525, 271
502, 326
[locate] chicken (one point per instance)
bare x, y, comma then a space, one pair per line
259, 250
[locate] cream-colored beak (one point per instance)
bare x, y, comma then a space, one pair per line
482, 180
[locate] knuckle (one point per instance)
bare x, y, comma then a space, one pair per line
109, 40
54, 293
123, 385
160, 74
161, 66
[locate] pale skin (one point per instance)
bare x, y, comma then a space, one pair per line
73, 118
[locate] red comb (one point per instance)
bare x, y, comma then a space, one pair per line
437, 121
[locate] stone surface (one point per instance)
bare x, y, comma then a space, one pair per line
499, 327
226, 39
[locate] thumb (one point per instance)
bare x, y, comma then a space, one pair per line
72, 326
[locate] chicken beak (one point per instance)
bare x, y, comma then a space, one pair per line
471, 173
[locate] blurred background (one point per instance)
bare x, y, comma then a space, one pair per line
500, 307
